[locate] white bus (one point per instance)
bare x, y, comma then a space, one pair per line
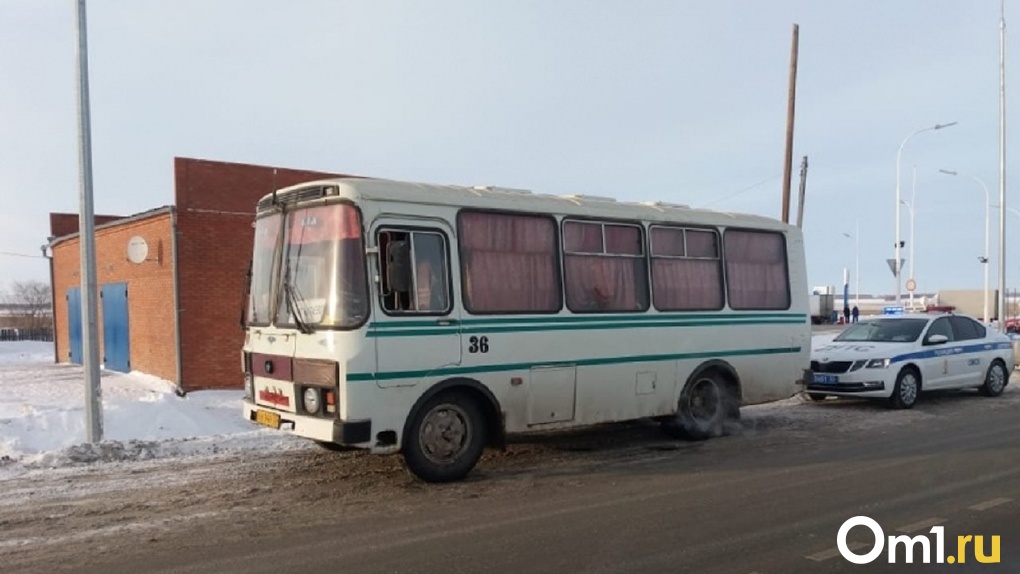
434, 320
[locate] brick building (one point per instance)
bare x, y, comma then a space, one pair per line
171, 279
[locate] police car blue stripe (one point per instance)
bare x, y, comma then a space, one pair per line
942, 351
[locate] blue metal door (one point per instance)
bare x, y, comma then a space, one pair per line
74, 324
116, 347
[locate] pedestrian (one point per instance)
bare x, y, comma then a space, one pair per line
856, 313
846, 314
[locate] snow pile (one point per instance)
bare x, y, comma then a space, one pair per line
42, 415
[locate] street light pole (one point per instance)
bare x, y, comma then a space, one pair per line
87, 238
896, 255
984, 260
857, 262
910, 257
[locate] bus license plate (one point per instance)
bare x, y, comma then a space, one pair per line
825, 379
267, 418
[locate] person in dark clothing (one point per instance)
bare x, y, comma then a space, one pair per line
846, 314
855, 313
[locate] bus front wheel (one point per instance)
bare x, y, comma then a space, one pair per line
706, 404
445, 439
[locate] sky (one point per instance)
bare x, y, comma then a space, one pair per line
677, 101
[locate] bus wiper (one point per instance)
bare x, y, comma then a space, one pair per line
295, 303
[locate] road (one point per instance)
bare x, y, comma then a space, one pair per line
769, 498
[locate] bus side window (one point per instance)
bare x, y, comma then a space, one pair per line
414, 272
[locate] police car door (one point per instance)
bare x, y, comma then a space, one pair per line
944, 362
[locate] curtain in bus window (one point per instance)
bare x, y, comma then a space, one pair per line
597, 283
509, 263
686, 284
615, 279
756, 273
686, 274
580, 237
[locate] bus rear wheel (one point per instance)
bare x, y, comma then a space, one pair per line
706, 405
445, 438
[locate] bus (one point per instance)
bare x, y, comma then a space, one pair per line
434, 321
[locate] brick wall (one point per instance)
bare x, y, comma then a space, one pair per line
150, 289
62, 224
216, 207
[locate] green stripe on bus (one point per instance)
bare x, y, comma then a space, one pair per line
599, 318
455, 329
447, 371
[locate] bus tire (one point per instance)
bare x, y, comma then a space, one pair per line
706, 404
445, 438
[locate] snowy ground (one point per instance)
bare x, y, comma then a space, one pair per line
42, 416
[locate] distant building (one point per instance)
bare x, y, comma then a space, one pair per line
171, 279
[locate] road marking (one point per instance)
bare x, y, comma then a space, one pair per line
834, 552
990, 503
926, 523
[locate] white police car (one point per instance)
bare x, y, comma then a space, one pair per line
897, 357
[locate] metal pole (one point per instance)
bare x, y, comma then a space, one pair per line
857, 264
896, 260
803, 189
1002, 161
791, 98
913, 210
986, 262
86, 238
985, 259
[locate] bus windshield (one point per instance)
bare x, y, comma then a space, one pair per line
322, 276
267, 234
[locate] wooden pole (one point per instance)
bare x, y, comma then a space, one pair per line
790, 105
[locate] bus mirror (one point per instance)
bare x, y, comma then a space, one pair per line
398, 266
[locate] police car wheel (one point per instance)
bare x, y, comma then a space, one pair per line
906, 390
995, 379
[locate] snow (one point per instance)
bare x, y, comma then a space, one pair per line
42, 416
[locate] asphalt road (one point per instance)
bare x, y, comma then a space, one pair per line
768, 499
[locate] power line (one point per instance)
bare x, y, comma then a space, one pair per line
21, 255
742, 191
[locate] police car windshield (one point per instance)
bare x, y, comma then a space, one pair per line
884, 331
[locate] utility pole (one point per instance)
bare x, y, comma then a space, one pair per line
790, 106
803, 186
1002, 165
87, 240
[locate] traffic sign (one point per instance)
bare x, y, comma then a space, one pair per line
892, 266
911, 284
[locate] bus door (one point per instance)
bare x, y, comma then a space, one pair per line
417, 329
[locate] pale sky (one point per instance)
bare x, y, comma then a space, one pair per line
679, 101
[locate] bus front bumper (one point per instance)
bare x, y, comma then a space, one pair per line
352, 433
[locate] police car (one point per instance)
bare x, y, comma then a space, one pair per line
898, 357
